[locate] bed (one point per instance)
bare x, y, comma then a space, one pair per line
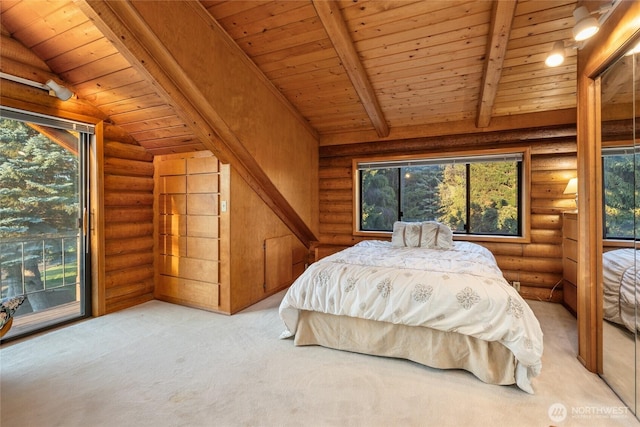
619, 287
420, 297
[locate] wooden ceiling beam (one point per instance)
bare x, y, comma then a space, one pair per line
331, 17
543, 119
462, 142
500, 28
60, 136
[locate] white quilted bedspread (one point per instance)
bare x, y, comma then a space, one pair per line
459, 290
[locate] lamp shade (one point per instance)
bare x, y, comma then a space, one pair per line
572, 186
586, 25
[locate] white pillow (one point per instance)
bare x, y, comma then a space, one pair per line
436, 235
406, 234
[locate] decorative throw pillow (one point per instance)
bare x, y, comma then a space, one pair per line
406, 234
436, 235
8, 306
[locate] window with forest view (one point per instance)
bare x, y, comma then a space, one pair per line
478, 195
619, 192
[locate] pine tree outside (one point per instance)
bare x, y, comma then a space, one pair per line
619, 193
470, 197
39, 203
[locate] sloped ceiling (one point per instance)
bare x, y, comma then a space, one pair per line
354, 71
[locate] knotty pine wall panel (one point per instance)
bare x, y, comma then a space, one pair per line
537, 264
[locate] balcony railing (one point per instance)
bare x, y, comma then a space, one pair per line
45, 268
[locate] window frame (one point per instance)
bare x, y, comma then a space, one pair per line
525, 236
86, 128
609, 147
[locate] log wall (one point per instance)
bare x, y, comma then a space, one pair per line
128, 224
537, 265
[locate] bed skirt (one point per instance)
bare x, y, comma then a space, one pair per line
491, 362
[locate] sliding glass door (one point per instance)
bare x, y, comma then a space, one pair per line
43, 205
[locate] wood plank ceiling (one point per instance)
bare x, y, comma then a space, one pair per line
356, 71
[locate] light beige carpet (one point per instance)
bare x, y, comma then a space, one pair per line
160, 364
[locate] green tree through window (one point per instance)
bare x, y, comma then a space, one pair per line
38, 197
473, 196
39, 182
618, 181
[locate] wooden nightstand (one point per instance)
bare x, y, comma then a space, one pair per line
570, 261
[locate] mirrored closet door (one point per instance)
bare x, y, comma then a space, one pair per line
619, 97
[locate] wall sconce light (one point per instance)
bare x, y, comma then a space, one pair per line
54, 89
572, 188
556, 56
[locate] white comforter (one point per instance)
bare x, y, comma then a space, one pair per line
459, 290
619, 285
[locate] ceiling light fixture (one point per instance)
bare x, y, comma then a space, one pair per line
557, 54
60, 91
54, 89
586, 25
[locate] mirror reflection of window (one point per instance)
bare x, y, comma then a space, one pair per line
618, 176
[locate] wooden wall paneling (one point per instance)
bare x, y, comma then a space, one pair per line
122, 229
128, 224
225, 237
205, 183
187, 230
127, 167
127, 199
171, 288
187, 223
278, 263
129, 260
234, 119
189, 267
203, 226
537, 265
118, 182
124, 150
250, 223
135, 244
300, 259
